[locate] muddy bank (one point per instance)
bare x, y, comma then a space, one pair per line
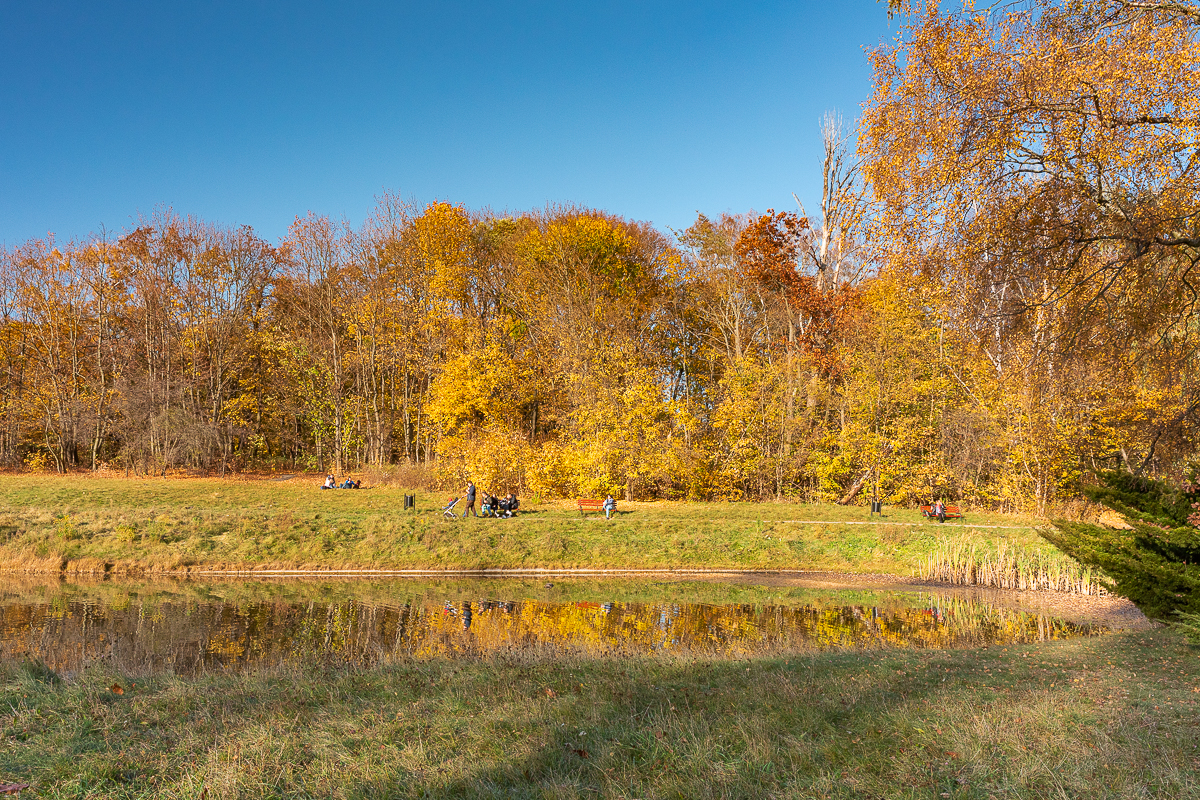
1111, 610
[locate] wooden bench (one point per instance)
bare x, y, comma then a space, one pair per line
952, 512
586, 504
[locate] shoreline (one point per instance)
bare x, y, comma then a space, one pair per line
1109, 609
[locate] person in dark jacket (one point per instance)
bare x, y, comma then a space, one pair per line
470, 509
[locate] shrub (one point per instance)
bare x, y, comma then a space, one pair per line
1154, 563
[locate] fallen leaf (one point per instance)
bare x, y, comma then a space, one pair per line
12, 788
116, 689
580, 753
659, 735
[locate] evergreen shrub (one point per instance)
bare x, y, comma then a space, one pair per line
1154, 563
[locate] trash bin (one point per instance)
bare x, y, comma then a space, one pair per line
410, 501
877, 507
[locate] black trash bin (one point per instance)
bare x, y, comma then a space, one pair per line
410, 501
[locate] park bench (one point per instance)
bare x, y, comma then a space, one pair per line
593, 504
952, 512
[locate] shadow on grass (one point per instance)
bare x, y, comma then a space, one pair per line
1097, 717
960, 724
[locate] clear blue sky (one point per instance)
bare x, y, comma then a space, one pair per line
252, 113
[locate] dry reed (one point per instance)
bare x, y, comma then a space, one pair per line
1009, 566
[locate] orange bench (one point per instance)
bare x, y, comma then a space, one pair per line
586, 504
952, 512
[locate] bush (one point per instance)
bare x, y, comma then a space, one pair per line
1154, 564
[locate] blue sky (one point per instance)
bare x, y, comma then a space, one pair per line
253, 113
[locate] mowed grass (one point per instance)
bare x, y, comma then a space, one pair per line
86, 523
1112, 716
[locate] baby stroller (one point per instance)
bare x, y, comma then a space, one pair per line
448, 509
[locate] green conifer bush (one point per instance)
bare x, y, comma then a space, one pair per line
1154, 562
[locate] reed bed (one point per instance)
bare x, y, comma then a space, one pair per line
1008, 566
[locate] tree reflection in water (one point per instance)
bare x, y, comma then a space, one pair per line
199, 632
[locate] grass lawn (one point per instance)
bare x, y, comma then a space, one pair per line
1106, 716
94, 523
1110, 716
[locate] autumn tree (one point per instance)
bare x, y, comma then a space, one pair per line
223, 297
1039, 161
313, 339
833, 245
383, 316
13, 331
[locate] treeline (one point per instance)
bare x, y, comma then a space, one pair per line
998, 302
562, 353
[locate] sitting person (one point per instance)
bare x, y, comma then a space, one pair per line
329, 483
509, 504
488, 508
349, 484
610, 507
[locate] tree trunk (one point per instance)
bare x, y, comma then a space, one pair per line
856, 488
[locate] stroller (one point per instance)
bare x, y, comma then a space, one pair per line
448, 509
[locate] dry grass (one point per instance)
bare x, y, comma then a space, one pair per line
1104, 717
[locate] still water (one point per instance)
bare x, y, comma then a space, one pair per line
187, 627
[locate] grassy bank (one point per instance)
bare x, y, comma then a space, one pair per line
85, 523
1111, 716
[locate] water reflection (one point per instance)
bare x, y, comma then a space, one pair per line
197, 627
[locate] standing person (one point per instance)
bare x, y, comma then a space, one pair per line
470, 509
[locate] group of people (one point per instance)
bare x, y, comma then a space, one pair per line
349, 483
491, 506
938, 509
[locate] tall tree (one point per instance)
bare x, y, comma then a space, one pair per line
1039, 160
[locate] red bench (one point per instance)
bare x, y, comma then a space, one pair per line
952, 512
589, 504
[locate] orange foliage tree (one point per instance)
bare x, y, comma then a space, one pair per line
1038, 162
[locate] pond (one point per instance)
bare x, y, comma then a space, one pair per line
188, 627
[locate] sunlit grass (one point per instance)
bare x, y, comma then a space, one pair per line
83, 523
1113, 716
